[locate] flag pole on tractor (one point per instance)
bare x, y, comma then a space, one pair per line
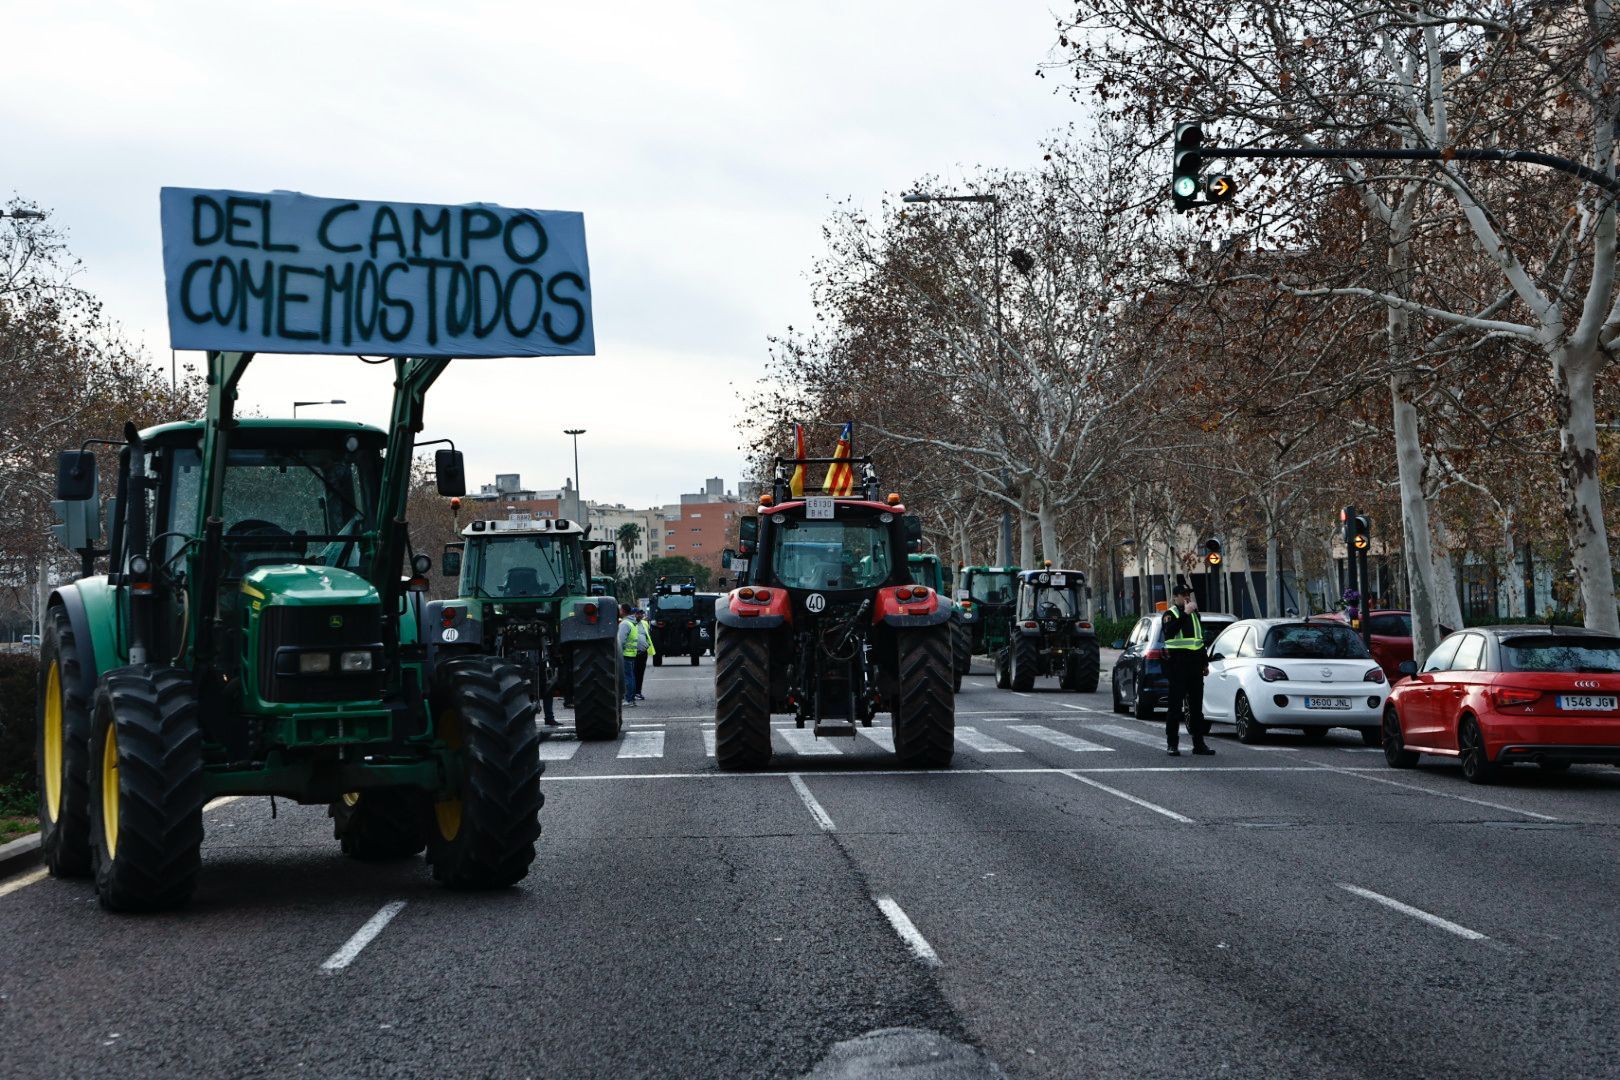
840, 477
797, 484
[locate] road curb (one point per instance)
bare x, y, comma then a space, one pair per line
19, 855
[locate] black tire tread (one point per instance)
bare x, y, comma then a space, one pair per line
742, 699
1023, 662
598, 691
65, 843
1086, 659
385, 824
924, 711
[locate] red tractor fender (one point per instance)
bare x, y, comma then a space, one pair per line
890, 609
752, 613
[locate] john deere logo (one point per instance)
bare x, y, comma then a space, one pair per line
335, 622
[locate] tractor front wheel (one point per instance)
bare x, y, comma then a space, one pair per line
924, 710
598, 693
742, 699
146, 796
380, 824
484, 836
62, 751
1026, 660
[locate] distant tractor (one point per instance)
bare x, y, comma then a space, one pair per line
988, 591
672, 612
1051, 634
523, 596
255, 636
926, 570
828, 626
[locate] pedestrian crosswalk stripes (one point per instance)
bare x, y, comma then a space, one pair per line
558, 749
1135, 735
974, 739
1058, 738
642, 744
804, 741
708, 742
880, 735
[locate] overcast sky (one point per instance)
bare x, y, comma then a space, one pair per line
705, 144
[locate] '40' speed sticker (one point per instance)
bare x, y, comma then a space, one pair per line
815, 602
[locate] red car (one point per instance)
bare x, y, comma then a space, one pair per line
1493, 696
1390, 634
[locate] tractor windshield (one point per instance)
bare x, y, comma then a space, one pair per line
522, 565
1051, 602
832, 554
674, 602
925, 572
991, 588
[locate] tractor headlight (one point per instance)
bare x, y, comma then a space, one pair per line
357, 660
314, 663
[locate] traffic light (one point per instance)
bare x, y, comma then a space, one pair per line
1189, 160
1360, 537
1220, 188
1212, 552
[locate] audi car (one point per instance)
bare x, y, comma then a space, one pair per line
1310, 674
1497, 696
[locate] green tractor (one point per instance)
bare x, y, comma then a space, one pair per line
523, 596
926, 570
1051, 633
255, 635
987, 592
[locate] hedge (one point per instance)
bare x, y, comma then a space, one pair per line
19, 676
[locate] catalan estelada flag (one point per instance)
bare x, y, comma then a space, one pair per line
796, 486
840, 477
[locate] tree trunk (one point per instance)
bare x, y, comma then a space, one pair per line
1026, 540
1049, 540
1273, 575
1447, 603
1242, 545
1575, 376
1512, 569
1414, 518
1302, 599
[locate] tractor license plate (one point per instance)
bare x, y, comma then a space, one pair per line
818, 508
1586, 701
1327, 703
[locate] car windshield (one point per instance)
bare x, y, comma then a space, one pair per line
831, 554
991, 588
523, 565
1314, 641
1390, 624
1596, 656
674, 602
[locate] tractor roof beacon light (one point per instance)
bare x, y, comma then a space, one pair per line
1185, 181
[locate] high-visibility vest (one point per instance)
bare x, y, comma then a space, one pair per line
644, 633
1194, 642
630, 640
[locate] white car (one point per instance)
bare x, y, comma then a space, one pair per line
1294, 673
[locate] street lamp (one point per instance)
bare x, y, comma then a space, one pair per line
23, 215
333, 401
995, 239
579, 503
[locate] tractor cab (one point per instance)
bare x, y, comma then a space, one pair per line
525, 561
987, 594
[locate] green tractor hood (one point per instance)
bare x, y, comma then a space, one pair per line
307, 586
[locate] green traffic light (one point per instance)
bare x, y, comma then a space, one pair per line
1186, 186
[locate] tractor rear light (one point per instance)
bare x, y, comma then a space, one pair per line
589, 609
746, 593
1508, 698
1031, 624
1085, 626
1374, 675
690, 623
417, 584
142, 588
1272, 674
314, 663
660, 622
357, 660
762, 595
747, 612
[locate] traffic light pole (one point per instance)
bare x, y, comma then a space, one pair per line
1525, 157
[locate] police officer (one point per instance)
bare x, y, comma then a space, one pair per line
1187, 665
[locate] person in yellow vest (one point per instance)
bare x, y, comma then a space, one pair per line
627, 652
1186, 663
644, 649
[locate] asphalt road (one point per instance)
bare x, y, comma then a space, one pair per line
1066, 899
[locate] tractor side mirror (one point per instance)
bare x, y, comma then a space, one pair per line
609, 561
450, 563
747, 534
76, 478
913, 531
449, 474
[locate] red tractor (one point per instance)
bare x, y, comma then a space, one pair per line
827, 624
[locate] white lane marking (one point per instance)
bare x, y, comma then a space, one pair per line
883, 736
804, 741
947, 773
556, 750
643, 744
1416, 913
223, 800
1020, 693
1155, 807
362, 937
815, 808
708, 742
23, 882
974, 739
907, 930
1120, 731
1086, 708
1360, 774
1058, 739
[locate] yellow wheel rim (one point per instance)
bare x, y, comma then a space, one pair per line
109, 791
448, 813
351, 798
53, 742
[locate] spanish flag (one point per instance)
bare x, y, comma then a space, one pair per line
796, 485
840, 477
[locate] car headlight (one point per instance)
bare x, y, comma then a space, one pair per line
314, 663
357, 660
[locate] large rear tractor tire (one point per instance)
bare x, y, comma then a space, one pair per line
598, 691
62, 751
484, 836
146, 796
1025, 662
1084, 667
381, 824
742, 699
924, 709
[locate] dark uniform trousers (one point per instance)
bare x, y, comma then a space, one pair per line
1185, 667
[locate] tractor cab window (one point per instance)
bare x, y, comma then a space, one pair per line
925, 572
831, 555
1050, 602
526, 566
674, 602
992, 588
